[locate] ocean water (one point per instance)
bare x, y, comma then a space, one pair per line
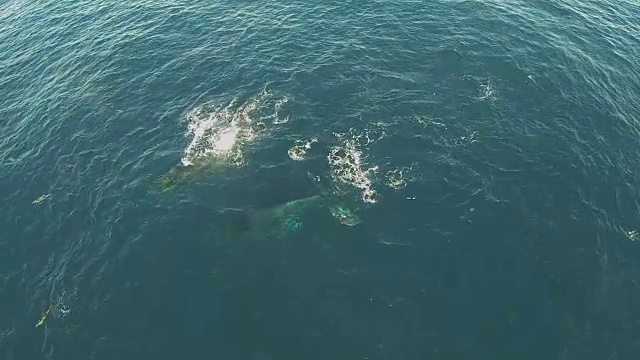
267, 180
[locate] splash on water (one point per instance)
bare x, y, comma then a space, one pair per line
487, 89
221, 132
41, 199
345, 216
299, 150
632, 235
348, 162
278, 116
58, 309
399, 178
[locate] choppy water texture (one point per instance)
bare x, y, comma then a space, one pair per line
320, 179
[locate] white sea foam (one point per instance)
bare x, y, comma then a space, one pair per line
487, 91
345, 216
400, 177
349, 166
299, 150
221, 132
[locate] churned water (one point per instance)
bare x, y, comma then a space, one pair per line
271, 180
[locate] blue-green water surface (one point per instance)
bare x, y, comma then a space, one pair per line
272, 180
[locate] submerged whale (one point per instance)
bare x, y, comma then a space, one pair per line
275, 219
